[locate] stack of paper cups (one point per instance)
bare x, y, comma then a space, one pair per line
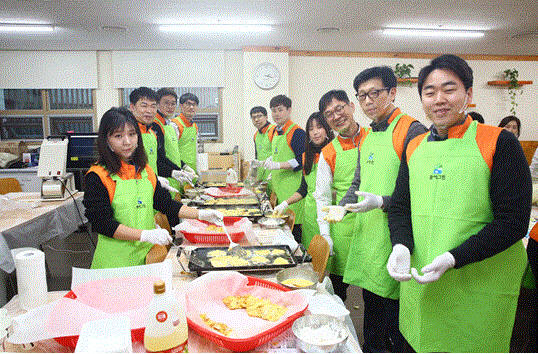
31, 277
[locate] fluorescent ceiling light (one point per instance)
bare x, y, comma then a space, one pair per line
423, 32
215, 28
25, 28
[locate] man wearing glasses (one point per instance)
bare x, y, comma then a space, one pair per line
188, 130
380, 152
336, 165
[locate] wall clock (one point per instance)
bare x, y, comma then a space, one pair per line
266, 76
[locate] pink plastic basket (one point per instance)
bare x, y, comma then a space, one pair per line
247, 344
204, 237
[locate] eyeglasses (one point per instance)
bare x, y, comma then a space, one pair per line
372, 94
337, 110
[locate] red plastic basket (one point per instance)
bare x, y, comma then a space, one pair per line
231, 191
247, 344
137, 334
204, 237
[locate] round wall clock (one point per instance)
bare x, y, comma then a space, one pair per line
266, 76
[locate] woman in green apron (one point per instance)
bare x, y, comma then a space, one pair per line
122, 191
318, 134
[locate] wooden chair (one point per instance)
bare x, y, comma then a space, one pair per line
290, 220
319, 251
273, 199
8, 185
158, 253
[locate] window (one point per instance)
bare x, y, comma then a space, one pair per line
209, 109
34, 114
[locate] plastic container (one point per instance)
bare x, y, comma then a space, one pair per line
166, 327
109, 335
220, 237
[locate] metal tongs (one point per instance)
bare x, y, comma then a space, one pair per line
235, 249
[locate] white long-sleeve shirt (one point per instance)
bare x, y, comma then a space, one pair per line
534, 165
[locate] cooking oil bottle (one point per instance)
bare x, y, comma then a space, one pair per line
166, 327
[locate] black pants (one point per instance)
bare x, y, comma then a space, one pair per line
381, 332
339, 286
297, 232
532, 254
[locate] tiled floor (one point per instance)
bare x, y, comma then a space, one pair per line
524, 327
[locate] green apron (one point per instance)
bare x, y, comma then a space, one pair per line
470, 309
371, 245
342, 232
310, 223
286, 182
150, 146
133, 207
188, 145
172, 151
263, 151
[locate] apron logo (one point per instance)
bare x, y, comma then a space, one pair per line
370, 158
438, 173
276, 151
140, 203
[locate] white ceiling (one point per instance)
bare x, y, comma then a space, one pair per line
80, 24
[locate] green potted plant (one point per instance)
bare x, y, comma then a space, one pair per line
514, 88
403, 72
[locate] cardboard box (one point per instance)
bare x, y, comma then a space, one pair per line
15, 147
218, 165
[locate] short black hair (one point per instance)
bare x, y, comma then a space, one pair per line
385, 73
340, 95
166, 91
113, 119
477, 116
189, 97
280, 100
449, 62
258, 109
508, 119
142, 92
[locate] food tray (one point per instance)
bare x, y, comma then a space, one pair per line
252, 212
208, 237
137, 334
199, 260
247, 344
219, 184
233, 201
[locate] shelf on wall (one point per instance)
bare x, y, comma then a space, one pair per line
471, 105
506, 83
407, 79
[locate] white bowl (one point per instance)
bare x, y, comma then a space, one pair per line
320, 334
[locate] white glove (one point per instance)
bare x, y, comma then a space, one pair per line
335, 213
255, 163
211, 216
191, 173
280, 208
269, 164
434, 270
370, 201
156, 236
180, 176
399, 263
330, 242
165, 183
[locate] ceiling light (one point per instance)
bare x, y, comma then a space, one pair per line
25, 28
423, 32
215, 28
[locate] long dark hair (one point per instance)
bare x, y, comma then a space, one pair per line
113, 119
312, 149
508, 119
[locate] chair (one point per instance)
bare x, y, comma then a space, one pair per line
8, 185
319, 251
158, 253
290, 220
273, 199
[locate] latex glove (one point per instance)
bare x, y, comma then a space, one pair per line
156, 236
256, 163
434, 270
180, 176
212, 216
191, 173
280, 208
335, 213
269, 164
165, 183
370, 201
399, 263
330, 242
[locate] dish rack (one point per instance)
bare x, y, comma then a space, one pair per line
247, 344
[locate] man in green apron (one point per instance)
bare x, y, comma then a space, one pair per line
188, 130
143, 105
285, 162
262, 144
337, 162
377, 167
460, 206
